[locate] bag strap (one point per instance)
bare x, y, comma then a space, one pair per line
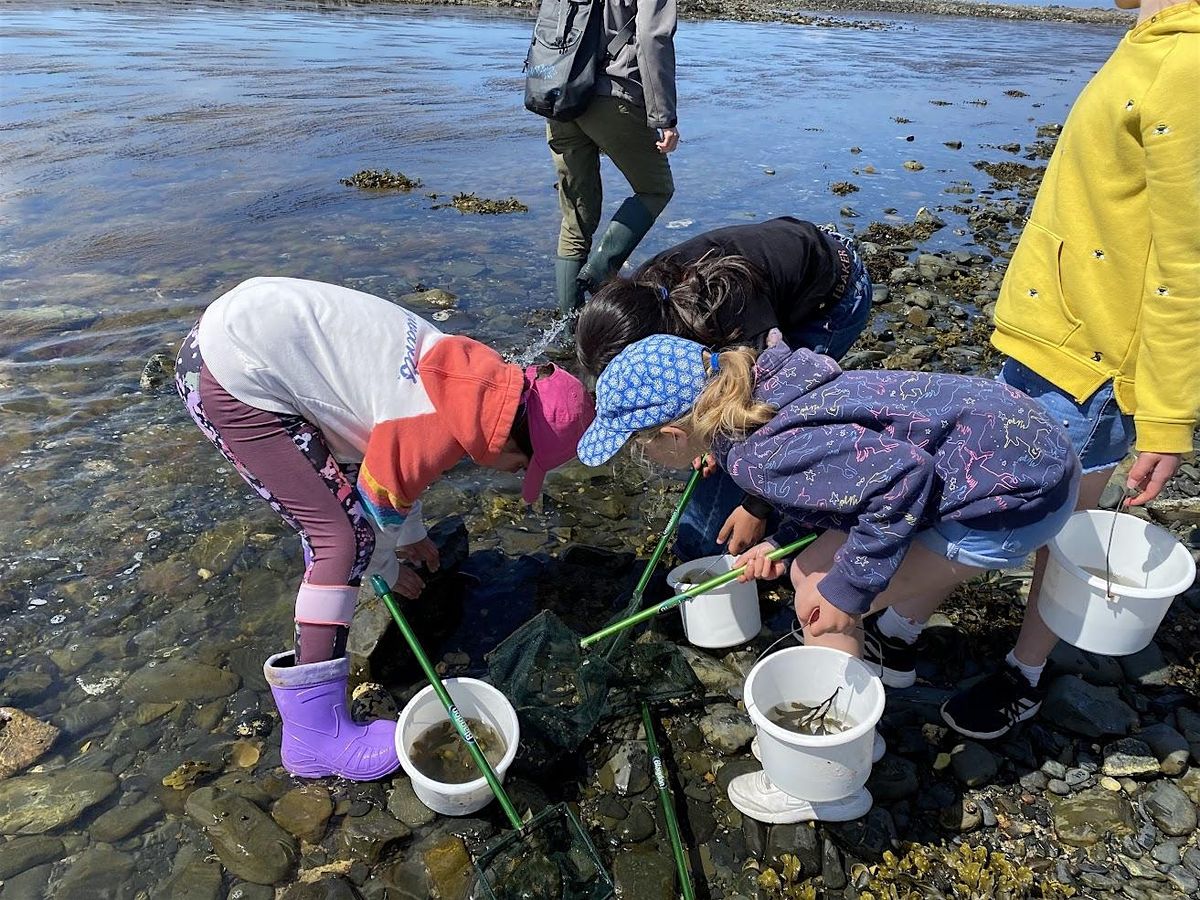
621, 38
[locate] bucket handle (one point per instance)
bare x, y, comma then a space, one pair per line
1127, 493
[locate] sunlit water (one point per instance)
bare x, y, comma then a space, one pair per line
152, 156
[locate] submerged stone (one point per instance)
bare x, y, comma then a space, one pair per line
1091, 815
33, 804
180, 678
23, 739
23, 853
248, 842
304, 812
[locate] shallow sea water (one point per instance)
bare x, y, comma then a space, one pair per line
152, 155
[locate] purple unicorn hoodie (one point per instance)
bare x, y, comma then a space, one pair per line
883, 455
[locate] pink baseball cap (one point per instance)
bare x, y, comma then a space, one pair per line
559, 410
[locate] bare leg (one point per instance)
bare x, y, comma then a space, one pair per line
1036, 640
922, 583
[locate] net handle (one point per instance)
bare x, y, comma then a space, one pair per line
456, 718
724, 578
672, 524
668, 807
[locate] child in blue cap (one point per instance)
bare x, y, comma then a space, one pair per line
921, 480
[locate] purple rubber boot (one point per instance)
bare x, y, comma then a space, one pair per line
319, 736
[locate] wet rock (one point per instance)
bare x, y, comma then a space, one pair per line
1129, 758
30, 884
122, 821
189, 773
25, 686
833, 870
23, 853
893, 778
627, 770
927, 218
179, 678
195, 880
962, 816
1183, 881
405, 806
642, 875
733, 769
1147, 667
1168, 853
726, 728
1188, 723
97, 874
973, 764
635, 827
800, 840
23, 739
934, 268
716, 677
1169, 747
1170, 808
33, 804
79, 719
330, 887
1086, 709
369, 837
1087, 817
865, 838
434, 297
247, 840
1058, 786
913, 166
304, 812
249, 891
1091, 667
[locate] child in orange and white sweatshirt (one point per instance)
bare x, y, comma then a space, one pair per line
339, 408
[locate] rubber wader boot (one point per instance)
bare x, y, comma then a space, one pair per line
319, 736
566, 283
629, 225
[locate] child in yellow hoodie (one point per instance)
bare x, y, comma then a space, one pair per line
1099, 313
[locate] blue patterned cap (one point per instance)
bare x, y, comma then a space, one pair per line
651, 382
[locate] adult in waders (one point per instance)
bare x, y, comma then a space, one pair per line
631, 119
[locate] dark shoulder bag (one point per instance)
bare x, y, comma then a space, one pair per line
564, 56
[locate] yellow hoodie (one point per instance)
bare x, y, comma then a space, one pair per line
1105, 282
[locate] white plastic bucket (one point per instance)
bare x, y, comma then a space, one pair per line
475, 699
1148, 566
724, 617
816, 767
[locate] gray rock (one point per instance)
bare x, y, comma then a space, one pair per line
405, 806
635, 827
1085, 818
1054, 769
716, 677
1168, 853
304, 812
833, 869
79, 719
33, 804
962, 816
122, 821
23, 739
247, 840
30, 884
197, 880
23, 853
973, 764
1188, 723
331, 887
644, 875
1169, 747
1058, 786
1183, 881
627, 770
726, 728
732, 769
1170, 808
99, 873
893, 778
800, 840
1129, 758
1147, 667
371, 836
1086, 709
933, 268
1034, 782
179, 678
1091, 667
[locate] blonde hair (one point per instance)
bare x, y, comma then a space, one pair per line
726, 406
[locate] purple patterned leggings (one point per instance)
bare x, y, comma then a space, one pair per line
286, 461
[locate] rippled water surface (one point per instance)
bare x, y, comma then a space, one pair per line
153, 155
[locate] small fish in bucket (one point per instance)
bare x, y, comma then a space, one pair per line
546, 858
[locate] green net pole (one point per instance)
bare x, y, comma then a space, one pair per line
668, 807
672, 524
456, 718
651, 611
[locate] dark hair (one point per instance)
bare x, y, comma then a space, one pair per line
667, 297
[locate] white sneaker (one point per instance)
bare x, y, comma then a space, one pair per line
754, 795
877, 750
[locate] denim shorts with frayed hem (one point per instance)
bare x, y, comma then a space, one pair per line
1100, 433
1001, 548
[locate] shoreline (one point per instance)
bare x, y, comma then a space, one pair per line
795, 12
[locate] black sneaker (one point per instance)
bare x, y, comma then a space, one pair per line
993, 705
896, 660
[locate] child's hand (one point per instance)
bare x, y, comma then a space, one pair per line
758, 566
706, 464
1150, 473
819, 616
423, 553
742, 530
408, 584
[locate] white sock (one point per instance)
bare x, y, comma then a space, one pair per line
1032, 673
892, 624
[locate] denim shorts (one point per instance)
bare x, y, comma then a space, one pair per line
1099, 431
1001, 548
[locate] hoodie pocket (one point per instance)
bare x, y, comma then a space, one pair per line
1033, 303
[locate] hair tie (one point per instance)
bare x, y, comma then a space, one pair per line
663, 293
714, 365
